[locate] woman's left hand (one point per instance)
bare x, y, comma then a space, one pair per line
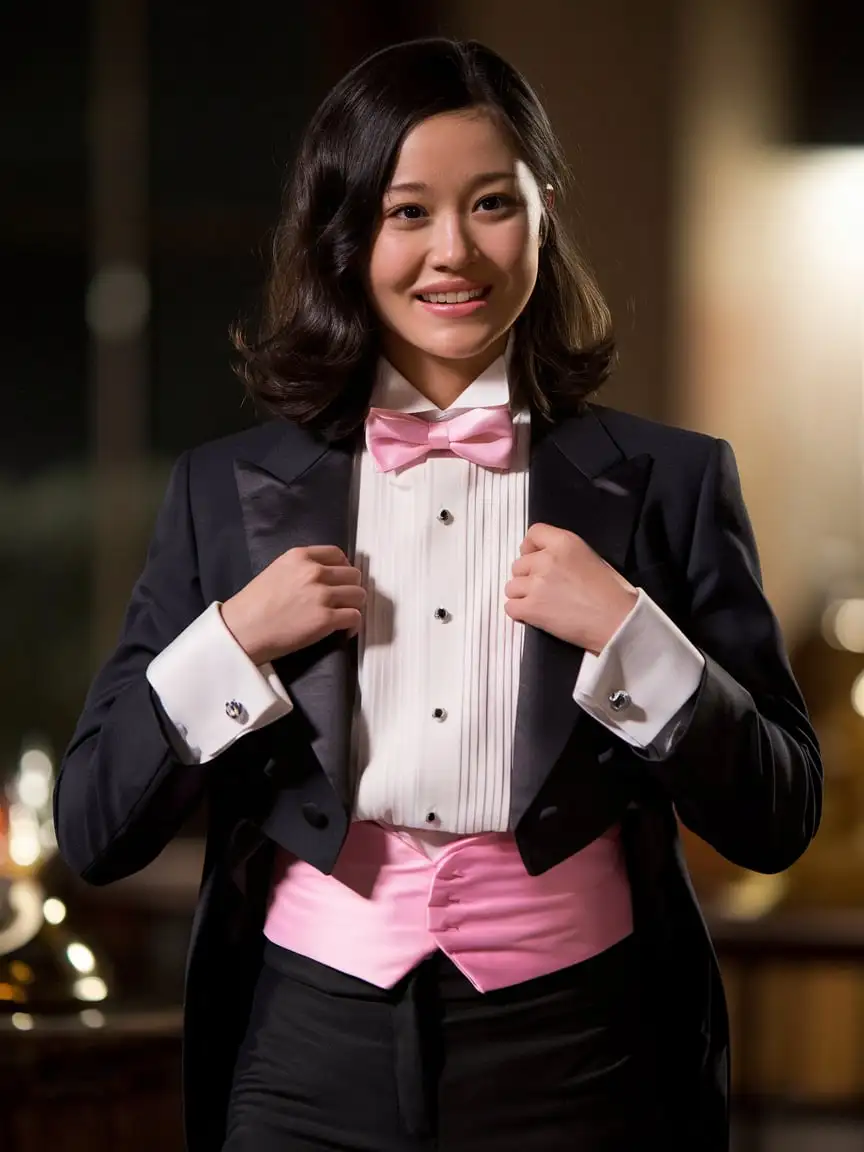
561, 585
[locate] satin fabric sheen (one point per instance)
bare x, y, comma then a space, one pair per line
387, 905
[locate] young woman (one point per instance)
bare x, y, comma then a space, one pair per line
445, 647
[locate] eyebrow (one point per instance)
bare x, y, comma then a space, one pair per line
482, 178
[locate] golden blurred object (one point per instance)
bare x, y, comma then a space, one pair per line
751, 896
829, 667
27, 837
46, 969
779, 1012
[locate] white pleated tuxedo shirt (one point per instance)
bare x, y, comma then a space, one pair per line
439, 658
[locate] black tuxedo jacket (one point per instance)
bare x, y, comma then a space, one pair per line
661, 505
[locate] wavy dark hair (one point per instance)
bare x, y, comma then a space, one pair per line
313, 355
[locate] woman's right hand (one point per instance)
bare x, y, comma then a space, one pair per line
303, 596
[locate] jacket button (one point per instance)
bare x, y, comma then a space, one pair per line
546, 813
313, 815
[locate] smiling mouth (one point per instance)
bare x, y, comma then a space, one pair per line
453, 297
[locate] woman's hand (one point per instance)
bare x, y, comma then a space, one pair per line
303, 596
561, 585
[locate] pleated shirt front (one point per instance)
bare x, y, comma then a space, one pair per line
439, 658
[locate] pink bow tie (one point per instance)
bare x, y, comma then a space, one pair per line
482, 435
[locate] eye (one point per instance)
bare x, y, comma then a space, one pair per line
408, 212
496, 202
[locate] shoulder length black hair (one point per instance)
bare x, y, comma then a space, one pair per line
312, 358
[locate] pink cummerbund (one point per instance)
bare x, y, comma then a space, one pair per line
387, 905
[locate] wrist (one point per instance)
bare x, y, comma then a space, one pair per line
234, 620
623, 606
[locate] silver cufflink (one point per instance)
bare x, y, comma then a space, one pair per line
235, 710
619, 700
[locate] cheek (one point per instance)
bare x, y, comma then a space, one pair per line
515, 250
392, 265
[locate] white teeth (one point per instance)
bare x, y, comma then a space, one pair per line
452, 297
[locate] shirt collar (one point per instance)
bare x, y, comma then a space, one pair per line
392, 391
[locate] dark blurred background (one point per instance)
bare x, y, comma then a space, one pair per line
717, 148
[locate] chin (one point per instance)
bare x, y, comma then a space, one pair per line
458, 345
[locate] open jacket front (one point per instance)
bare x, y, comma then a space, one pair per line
661, 505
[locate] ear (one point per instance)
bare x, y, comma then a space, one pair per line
549, 203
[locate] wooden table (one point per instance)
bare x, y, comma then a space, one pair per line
795, 983
66, 1087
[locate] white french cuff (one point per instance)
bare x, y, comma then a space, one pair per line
211, 691
643, 677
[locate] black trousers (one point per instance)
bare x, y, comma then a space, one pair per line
556, 1064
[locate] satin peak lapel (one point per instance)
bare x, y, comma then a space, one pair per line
582, 482
297, 494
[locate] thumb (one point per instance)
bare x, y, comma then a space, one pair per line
537, 538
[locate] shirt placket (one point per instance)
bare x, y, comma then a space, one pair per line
443, 606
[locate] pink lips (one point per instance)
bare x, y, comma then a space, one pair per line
467, 308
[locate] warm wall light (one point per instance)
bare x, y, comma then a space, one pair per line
828, 194
843, 625
24, 846
858, 694
80, 957
54, 910
91, 988
35, 774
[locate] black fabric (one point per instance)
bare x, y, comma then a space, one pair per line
664, 507
551, 1065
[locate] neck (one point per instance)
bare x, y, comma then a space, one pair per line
441, 380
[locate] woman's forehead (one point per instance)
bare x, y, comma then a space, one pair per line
454, 145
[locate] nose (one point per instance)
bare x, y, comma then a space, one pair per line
453, 245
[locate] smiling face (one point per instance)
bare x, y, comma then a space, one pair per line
455, 257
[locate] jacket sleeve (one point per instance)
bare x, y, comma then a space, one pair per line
122, 791
744, 771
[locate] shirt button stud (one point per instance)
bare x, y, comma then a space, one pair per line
442, 614
445, 516
431, 818
619, 700
439, 714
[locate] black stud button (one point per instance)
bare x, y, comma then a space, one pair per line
431, 817
442, 614
439, 713
445, 516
